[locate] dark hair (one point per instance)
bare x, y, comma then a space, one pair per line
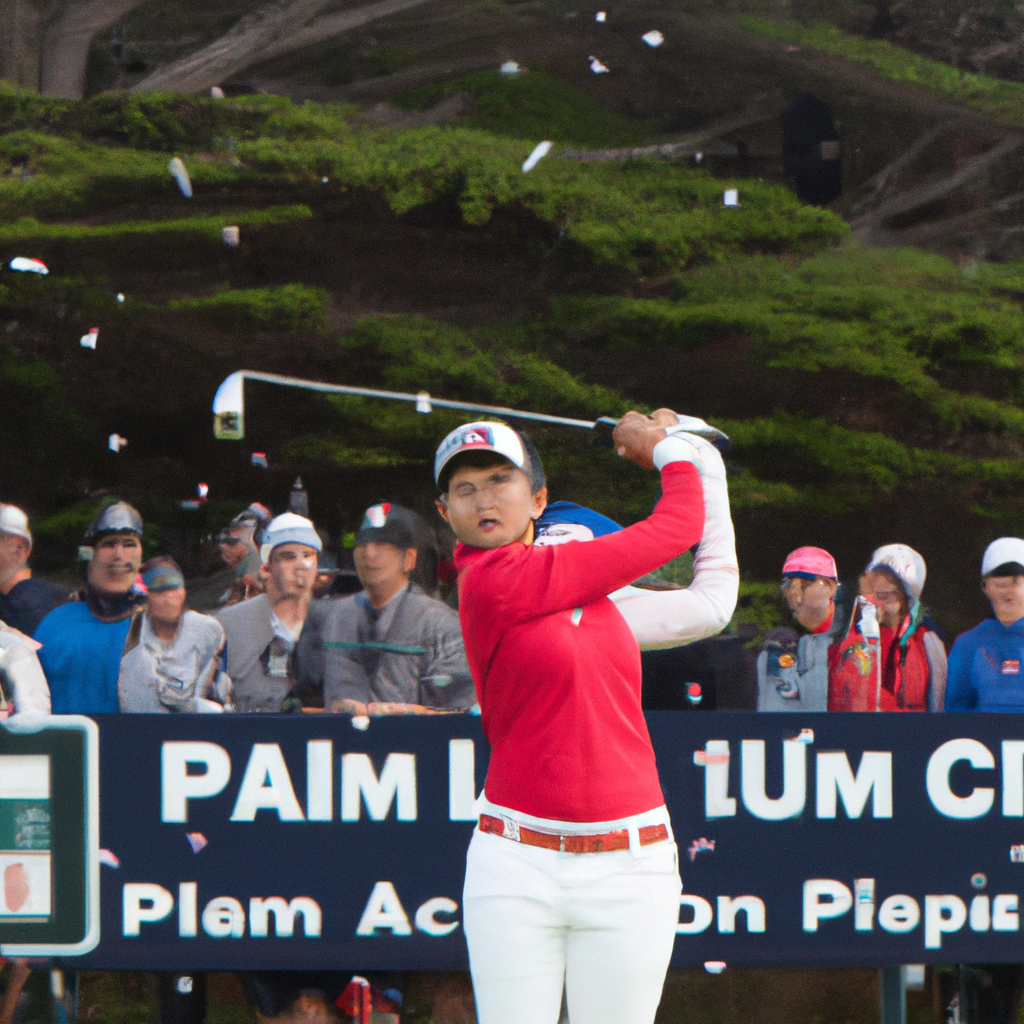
485, 459
1007, 569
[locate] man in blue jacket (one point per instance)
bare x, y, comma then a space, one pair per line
985, 671
83, 640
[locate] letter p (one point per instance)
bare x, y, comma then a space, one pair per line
159, 903
178, 786
942, 915
824, 898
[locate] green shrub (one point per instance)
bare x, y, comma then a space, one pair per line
291, 307
996, 97
28, 229
534, 105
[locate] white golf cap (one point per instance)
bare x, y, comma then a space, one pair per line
481, 436
289, 529
14, 521
905, 562
1002, 551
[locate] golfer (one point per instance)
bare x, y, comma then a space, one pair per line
572, 876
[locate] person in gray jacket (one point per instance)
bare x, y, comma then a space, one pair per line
392, 647
171, 659
792, 668
262, 632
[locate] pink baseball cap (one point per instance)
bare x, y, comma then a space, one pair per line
810, 562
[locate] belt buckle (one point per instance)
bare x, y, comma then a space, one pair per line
510, 829
561, 844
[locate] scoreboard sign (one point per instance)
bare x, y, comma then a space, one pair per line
49, 837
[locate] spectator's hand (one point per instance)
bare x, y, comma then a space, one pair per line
376, 708
348, 706
636, 435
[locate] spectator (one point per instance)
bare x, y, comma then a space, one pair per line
24, 601
390, 646
263, 631
792, 668
905, 668
238, 543
985, 662
172, 656
83, 640
23, 687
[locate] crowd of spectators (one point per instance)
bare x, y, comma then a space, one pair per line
284, 636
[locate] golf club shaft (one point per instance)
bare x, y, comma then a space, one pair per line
403, 396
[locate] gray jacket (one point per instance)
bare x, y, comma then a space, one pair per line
794, 676
262, 676
161, 676
413, 654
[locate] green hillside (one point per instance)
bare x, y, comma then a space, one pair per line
871, 396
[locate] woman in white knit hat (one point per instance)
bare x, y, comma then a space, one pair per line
892, 658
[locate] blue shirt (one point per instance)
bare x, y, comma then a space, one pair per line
81, 657
986, 668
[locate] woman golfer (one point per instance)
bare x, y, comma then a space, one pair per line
572, 876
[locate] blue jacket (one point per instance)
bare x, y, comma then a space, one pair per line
81, 656
986, 668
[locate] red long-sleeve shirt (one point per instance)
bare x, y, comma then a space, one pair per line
556, 668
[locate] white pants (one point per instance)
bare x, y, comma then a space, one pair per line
601, 924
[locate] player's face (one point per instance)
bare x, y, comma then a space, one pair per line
491, 507
1007, 596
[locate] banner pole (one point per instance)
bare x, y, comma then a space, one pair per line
893, 992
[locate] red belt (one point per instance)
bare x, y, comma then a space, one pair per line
572, 843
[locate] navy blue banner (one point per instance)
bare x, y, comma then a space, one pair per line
276, 842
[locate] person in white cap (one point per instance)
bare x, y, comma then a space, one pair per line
572, 875
263, 631
24, 601
902, 667
985, 662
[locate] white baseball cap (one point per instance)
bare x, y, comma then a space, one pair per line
905, 562
289, 528
999, 552
14, 521
480, 436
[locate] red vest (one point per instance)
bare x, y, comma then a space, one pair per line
853, 682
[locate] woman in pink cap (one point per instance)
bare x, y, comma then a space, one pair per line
792, 669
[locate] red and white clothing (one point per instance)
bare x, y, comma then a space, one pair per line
671, 618
557, 673
556, 668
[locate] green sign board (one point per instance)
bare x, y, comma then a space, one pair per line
49, 836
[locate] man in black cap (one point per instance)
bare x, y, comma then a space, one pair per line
390, 647
82, 640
